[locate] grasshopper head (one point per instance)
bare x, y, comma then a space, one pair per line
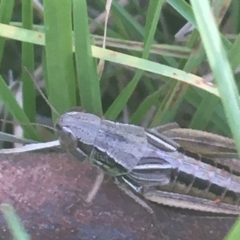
78, 130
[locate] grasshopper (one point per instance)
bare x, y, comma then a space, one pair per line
171, 166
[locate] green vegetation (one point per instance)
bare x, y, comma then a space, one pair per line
150, 76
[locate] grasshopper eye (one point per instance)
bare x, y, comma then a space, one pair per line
67, 139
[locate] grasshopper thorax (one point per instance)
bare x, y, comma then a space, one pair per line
77, 129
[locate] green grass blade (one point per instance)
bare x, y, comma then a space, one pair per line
86, 65
127, 20
28, 89
13, 107
147, 103
186, 11
6, 137
235, 8
116, 57
154, 11
204, 112
154, 67
14, 223
234, 233
59, 57
6, 8
22, 35
176, 97
220, 66
234, 58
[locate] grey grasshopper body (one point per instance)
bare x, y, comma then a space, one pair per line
154, 164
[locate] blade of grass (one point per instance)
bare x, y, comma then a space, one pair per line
154, 67
116, 57
234, 58
28, 90
59, 57
176, 97
86, 65
127, 20
146, 105
6, 9
154, 11
14, 223
101, 63
217, 117
14, 139
235, 232
186, 11
12, 105
31, 147
22, 35
158, 49
129, 26
235, 8
220, 66
205, 110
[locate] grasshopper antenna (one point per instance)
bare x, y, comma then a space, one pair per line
41, 92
